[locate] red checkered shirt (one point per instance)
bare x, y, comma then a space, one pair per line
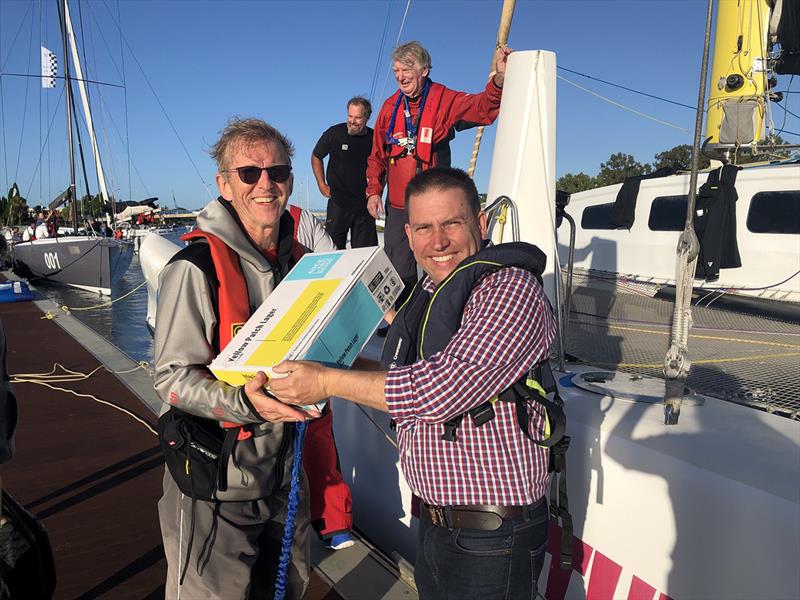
507, 326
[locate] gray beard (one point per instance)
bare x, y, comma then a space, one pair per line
354, 131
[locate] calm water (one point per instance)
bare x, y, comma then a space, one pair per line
122, 323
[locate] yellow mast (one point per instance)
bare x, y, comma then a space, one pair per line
736, 103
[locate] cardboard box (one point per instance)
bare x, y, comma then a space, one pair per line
325, 310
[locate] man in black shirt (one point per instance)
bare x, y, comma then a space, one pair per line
347, 146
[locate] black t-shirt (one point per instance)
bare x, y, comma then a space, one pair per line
347, 164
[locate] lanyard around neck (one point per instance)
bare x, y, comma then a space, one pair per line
410, 141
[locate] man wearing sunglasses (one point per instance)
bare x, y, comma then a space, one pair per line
412, 132
246, 242
347, 146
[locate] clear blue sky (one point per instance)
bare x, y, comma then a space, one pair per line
295, 64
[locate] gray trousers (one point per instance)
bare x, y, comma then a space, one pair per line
236, 545
395, 244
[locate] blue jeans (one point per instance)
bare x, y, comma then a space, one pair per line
505, 564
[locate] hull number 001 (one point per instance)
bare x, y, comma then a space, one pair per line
51, 260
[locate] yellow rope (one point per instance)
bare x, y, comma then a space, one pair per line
69, 375
68, 309
743, 358
501, 221
142, 364
699, 337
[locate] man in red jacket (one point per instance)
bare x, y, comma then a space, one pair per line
412, 132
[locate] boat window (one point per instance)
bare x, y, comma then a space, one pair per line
598, 216
668, 213
774, 212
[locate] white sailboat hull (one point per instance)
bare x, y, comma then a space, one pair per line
707, 509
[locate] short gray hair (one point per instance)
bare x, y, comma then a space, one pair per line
246, 132
363, 103
412, 52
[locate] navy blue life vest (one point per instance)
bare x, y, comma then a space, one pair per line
426, 323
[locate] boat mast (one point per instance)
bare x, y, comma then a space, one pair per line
736, 97
71, 196
101, 180
502, 38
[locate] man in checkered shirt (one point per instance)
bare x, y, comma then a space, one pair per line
483, 524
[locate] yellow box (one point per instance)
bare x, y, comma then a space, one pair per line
325, 310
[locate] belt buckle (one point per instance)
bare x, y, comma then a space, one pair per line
437, 516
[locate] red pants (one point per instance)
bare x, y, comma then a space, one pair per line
331, 502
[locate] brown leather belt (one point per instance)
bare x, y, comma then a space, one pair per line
474, 516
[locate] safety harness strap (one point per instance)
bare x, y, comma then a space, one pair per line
559, 503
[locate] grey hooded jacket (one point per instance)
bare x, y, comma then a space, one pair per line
184, 333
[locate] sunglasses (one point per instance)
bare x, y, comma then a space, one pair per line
251, 175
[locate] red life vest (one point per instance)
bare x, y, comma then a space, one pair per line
232, 298
234, 302
426, 129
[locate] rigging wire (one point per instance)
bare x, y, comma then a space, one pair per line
25, 103
125, 104
93, 133
30, 76
610, 101
2, 96
16, 35
83, 161
40, 95
107, 113
46, 145
379, 58
3, 128
124, 141
788, 112
627, 88
160, 104
396, 43
764, 53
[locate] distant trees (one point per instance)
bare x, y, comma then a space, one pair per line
616, 169
620, 166
14, 208
679, 157
93, 205
576, 183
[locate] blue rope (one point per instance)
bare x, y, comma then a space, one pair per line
291, 511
